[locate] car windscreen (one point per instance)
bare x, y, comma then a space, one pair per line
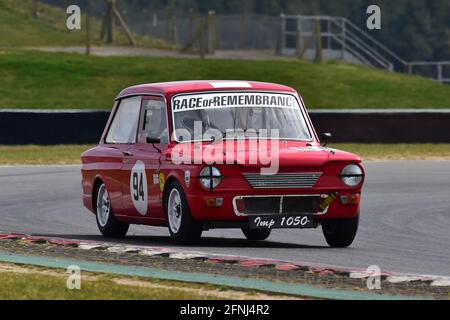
242, 114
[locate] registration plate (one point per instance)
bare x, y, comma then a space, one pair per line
281, 222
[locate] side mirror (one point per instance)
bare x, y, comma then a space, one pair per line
325, 138
153, 140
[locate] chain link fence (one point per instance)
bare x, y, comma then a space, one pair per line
231, 32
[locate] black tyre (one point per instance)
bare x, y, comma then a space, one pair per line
340, 233
108, 225
182, 227
257, 234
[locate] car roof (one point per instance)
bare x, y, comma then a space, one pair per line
171, 88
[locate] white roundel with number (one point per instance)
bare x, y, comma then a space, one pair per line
139, 188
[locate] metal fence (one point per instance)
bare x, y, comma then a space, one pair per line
291, 35
232, 32
439, 71
339, 38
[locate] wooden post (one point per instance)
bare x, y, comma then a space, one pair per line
173, 23
280, 41
300, 43
110, 21
319, 52
127, 31
168, 33
211, 32
103, 26
88, 27
202, 38
144, 23
171, 27
34, 9
191, 24
242, 31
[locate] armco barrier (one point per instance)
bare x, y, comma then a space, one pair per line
368, 126
384, 126
51, 127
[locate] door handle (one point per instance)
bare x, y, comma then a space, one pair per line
127, 153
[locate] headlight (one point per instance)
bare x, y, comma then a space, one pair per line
210, 177
352, 175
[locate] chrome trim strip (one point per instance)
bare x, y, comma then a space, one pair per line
283, 180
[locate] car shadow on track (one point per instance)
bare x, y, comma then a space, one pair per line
203, 242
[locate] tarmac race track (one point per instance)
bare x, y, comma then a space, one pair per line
405, 219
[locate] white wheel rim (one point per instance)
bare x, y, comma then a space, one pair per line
174, 210
103, 206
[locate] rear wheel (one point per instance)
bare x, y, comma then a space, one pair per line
258, 234
340, 233
108, 225
182, 226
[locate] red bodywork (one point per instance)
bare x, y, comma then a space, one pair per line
112, 164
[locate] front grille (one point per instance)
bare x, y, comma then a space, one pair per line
278, 205
304, 180
262, 205
296, 205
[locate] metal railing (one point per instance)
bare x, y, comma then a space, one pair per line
439, 70
342, 39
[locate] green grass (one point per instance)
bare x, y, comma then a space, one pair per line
398, 151
58, 81
27, 282
28, 286
70, 154
41, 155
18, 28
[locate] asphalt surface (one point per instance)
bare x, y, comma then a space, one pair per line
405, 219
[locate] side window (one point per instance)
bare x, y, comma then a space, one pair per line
124, 125
154, 121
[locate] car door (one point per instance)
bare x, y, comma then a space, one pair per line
119, 139
142, 195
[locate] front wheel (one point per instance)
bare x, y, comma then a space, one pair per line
257, 234
108, 225
340, 233
182, 226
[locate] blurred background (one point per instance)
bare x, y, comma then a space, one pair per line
415, 30
418, 30
385, 85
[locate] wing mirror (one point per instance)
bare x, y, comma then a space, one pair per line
325, 138
153, 140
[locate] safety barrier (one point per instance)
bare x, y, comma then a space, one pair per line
362, 126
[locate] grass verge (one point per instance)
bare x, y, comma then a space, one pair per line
59, 81
18, 28
402, 151
41, 155
70, 154
28, 282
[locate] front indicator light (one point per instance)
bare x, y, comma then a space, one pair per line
350, 199
214, 202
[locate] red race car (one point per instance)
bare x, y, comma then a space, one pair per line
197, 155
